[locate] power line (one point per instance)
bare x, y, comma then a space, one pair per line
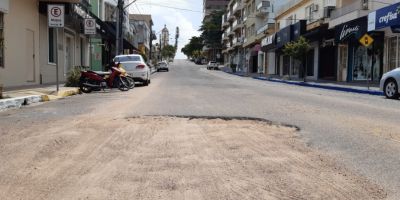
183, 9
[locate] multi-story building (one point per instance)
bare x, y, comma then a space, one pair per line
143, 32
245, 24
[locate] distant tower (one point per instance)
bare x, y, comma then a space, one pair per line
176, 37
164, 37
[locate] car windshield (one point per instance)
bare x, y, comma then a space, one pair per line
127, 59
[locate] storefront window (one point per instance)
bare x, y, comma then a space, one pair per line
1, 40
362, 64
392, 52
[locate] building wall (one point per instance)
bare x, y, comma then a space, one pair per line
47, 69
22, 18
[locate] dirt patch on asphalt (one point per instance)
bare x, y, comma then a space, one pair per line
171, 158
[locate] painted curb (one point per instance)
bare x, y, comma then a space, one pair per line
17, 102
315, 85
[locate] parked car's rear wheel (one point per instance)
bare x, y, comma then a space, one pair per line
391, 89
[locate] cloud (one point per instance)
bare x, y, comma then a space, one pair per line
188, 22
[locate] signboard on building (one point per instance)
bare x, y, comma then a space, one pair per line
4, 6
90, 26
384, 17
283, 36
299, 29
56, 16
352, 29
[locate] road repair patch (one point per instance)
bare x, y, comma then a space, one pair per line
158, 157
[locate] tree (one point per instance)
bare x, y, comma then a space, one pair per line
168, 51
195, 44
298, 50
211, 31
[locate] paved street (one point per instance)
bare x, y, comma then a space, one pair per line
358, 135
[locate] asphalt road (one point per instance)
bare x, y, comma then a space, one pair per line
361, 132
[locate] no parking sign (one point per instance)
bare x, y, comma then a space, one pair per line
56, 16
90, 26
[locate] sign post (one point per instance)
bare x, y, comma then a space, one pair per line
367, 41
90, 29
55, 14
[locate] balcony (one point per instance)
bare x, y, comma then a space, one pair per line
262, 29
237, 7
237, 25
231, 17
353, 7
237, 41
225, 22
263, 8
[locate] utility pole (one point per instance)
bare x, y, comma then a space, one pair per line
119, 27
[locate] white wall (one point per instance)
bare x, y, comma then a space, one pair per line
23, 16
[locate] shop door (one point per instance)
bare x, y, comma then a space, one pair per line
327, 63
286, 65
254, 64
30, 55
68, 54
310, 63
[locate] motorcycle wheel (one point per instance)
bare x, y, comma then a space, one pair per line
84, 88
123, 84
131, 82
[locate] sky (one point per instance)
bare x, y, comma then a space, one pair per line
188, 21
163, 14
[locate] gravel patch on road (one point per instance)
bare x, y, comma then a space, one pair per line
171, 158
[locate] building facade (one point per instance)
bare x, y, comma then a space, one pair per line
143, 26
164, 39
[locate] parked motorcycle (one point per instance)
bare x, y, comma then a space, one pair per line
91, 80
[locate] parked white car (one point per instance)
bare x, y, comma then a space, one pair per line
390, 84
212, 65
162, 66
136, 67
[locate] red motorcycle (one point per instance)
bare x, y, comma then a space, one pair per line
91, 80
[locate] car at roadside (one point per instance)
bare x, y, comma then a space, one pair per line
136, 67
389, 84
212, 65
162, 66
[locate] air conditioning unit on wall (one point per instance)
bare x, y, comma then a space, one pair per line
314, 7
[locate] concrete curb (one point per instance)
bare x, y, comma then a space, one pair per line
17, 102
316, 85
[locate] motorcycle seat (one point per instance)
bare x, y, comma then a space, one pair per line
101, 73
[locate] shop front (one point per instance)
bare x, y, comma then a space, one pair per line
357, 62
283, 62
387, 20
268, 45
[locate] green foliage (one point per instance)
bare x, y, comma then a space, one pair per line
196, 54
297, 49
195, 44
73, 76
211, 29
168, 51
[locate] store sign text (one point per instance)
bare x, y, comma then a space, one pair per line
348, 31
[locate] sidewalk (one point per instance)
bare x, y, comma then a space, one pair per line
361, 88
17, 97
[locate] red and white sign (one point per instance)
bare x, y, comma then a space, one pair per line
56, 16
90, 26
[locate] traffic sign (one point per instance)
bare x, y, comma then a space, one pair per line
366, 40
56, 16
90, 26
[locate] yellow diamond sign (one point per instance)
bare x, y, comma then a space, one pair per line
366, 40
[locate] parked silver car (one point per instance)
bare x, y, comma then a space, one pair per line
390, 84
136, 67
